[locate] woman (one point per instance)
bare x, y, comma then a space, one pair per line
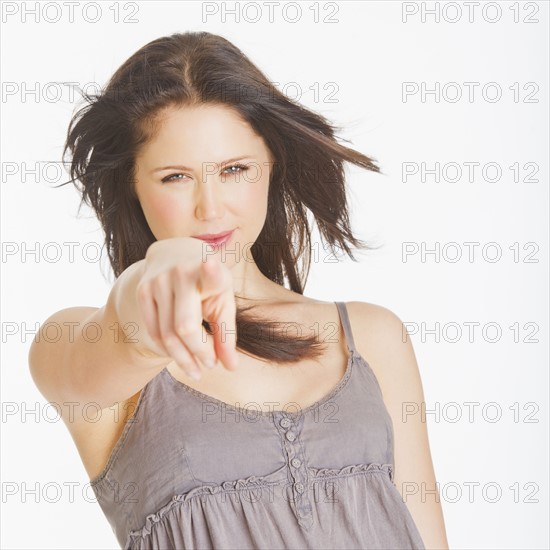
200, 172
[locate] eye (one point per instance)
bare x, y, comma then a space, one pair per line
169, 178
240, 168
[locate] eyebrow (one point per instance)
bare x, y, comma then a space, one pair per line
181, 167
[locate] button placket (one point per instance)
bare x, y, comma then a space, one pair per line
291, 429
285, 422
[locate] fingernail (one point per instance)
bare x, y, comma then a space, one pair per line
209, 363
195, 375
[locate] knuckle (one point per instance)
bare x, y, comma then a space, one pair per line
155, 336
142, 291
207, 360
159, 282
181, 271
169, 339
184, 328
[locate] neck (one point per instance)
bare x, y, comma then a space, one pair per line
252, 285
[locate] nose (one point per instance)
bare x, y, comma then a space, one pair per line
208, 202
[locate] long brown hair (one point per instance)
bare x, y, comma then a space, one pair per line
192, 68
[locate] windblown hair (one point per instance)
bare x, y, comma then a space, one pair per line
194, 68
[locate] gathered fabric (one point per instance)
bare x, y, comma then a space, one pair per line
192, 472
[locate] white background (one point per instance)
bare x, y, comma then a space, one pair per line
368, 54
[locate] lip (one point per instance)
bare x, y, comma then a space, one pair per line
215, 238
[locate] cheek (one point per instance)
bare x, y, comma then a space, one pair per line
164, 215
251, 196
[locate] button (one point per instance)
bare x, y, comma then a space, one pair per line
290, 436
296, 462
285, 423
299, 487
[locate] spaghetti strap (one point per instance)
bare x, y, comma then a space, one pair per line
185, 505
344, 318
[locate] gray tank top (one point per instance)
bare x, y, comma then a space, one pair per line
190, 471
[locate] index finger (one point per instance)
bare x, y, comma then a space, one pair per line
215, 283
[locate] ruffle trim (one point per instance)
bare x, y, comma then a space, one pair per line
353, 469
250, 482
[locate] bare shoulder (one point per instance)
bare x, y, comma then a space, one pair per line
382, 340
373, 316
46, 354
376, 326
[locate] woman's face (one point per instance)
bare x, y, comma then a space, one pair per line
187, 188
